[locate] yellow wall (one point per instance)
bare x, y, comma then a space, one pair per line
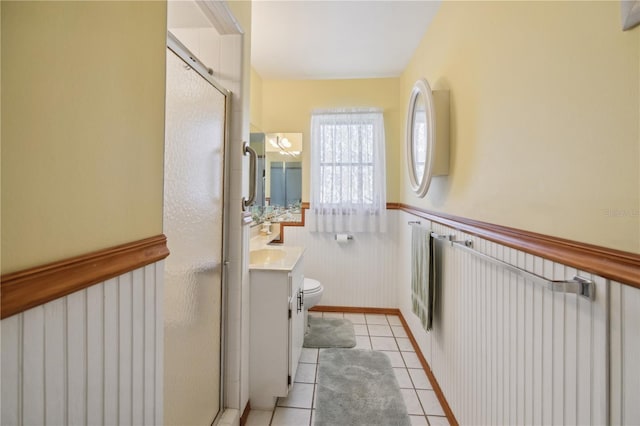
83, 88
287, 107
256, 101
544, 117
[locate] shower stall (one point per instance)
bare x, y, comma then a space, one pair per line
194, 223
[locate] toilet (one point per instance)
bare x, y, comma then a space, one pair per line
312, 295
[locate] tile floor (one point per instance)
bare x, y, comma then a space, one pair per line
378, 332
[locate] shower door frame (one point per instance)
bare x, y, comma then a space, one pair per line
198, 66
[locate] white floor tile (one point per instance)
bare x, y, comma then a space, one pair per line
412, 402
360, 329
419, 378
438, 421
291, 417
259, 418
296, 409
355, 318
398, 331
430, 402
411, 359
395, 358
404, 344
418, 421
402, 376
309, 355
379, 330
306, 373
315, 397
300, 396
362, 342
376, 319
313, 417
394, 320
383, 344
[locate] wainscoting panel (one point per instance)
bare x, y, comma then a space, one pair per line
92, 357
504, 349
361, 272
625, 353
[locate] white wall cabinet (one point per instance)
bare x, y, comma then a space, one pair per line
277, 332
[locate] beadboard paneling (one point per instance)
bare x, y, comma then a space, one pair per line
88, 358
507, 351
625, 352
361, 272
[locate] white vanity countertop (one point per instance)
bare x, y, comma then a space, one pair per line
260, 240
291, 257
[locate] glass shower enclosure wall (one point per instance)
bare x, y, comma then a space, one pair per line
193, 223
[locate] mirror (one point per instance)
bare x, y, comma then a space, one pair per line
420, 137
279, 174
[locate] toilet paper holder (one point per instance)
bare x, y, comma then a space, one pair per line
343, 237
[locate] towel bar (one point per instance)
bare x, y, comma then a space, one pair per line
578, 285
441, 236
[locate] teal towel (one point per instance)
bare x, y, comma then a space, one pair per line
423, 275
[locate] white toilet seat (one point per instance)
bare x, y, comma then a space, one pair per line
312, 286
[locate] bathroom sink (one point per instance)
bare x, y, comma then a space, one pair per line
265, 256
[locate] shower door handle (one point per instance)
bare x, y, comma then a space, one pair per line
253, 164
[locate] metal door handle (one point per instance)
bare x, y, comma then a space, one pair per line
253, 156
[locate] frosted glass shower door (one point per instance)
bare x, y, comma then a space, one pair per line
193, 224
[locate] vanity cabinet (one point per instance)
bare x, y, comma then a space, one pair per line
276, 332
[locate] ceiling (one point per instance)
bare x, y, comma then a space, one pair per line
322, 39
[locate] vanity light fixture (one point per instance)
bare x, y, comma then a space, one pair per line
283, 144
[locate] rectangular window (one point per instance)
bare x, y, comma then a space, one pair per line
348, 170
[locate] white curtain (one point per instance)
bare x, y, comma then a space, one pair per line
348, 184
